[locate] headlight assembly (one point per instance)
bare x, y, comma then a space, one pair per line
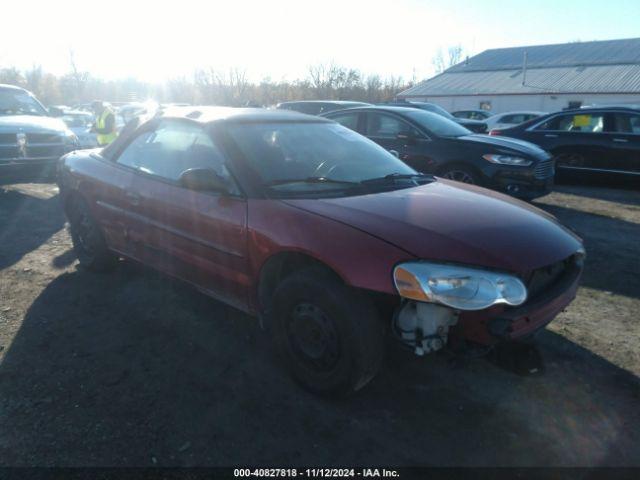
463, 288
507, 160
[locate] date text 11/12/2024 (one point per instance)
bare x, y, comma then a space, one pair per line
316, 472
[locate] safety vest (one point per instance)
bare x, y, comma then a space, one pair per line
101, 122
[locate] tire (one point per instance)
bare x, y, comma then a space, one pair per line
88, 241
330, 335
459, 173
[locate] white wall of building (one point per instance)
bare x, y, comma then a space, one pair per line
542, 102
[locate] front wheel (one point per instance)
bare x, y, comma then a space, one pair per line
329, 335
459, 173
88, 241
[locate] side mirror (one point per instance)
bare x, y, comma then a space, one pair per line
203, 179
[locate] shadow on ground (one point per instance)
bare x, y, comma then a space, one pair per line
586, 182
128, 368
26, 222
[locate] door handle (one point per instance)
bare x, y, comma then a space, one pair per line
551, 135
620, 140
133, 198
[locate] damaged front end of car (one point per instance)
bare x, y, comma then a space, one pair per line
480, 306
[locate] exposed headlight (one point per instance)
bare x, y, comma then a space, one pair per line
457, 287
507, 160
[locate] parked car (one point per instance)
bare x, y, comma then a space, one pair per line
481, 115
31, 142
473, 125
316, 107
323, 234
511, 119
431, 143
81, 123
597, 141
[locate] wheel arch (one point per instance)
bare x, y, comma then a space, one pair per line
277, 267
70, 198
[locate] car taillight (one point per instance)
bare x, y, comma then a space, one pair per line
495, 132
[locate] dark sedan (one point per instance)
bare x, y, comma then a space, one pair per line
431, 143
475, 126
600, 141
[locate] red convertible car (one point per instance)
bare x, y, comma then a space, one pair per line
330, 240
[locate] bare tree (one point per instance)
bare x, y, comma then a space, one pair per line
331, 81
208, 86
78, 78
12, 76
453, 56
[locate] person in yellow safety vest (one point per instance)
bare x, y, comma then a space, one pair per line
105, 124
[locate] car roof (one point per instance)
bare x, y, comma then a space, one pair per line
207, 114
374, 108
334, 102
588, 109
520, 112
6, 86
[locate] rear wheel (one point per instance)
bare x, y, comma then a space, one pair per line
88, 241
330, 335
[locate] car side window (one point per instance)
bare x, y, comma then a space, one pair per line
349, 120
578, 122
171, 149
626, 123
514, 119
387, 126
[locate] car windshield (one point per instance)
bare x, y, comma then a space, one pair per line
437, 124
18, 102
300, 158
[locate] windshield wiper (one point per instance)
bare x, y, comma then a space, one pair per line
287, 181
392, 177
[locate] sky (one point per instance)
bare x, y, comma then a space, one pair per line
280, 39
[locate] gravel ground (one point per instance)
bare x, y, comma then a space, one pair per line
134, 369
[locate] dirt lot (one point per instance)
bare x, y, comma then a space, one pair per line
134, 369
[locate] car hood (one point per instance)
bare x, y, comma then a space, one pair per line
505, 143
31, 124
451, 222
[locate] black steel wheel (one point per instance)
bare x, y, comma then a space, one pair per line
88, 241
459, 174
329, 335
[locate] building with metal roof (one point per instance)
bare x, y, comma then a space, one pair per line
541, 77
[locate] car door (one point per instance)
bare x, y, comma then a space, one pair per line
105, 190
398, 135
575, 139
198, 236
622, 131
